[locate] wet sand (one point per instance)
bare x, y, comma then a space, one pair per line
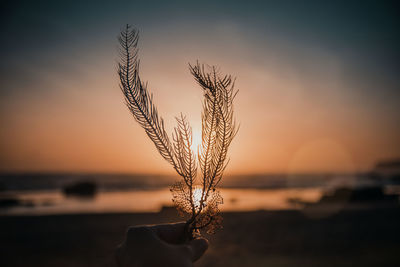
367, 237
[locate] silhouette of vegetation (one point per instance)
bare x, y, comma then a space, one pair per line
195, 200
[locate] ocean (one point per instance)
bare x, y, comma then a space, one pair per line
43, 194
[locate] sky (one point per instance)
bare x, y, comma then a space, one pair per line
318, 82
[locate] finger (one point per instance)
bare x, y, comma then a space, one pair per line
171, 233
138, 234
198, 247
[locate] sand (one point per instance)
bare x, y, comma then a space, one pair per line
368, 237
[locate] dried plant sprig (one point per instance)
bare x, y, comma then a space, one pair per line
200, 204
218, 125
184, 154
218, 130
137, 97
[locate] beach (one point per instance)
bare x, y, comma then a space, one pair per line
362, 237
269, 224
283, 117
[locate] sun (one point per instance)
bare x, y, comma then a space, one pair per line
196, 140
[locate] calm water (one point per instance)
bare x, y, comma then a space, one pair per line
43, 193
55, 202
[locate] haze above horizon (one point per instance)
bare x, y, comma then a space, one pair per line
319, 83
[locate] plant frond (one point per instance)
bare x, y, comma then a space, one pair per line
137, 97
186, 158
218, 130
182, 198
210, 219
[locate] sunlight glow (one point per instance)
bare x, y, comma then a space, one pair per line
196, 141
197, 197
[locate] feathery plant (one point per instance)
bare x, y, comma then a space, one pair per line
196, 198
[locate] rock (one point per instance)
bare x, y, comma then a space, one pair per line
81, 189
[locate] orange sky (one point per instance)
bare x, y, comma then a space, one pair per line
284, 127
302, 107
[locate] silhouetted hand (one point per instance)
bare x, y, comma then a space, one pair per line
159, 245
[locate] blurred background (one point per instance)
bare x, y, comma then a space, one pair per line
314, 172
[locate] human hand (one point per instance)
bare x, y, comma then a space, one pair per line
159, 245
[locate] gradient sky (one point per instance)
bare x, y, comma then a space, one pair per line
319, 82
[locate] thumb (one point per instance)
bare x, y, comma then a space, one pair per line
197, 247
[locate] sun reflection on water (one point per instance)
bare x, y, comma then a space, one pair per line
54, 202
197, 193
